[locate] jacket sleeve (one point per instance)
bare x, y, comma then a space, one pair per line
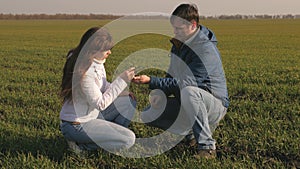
168, 84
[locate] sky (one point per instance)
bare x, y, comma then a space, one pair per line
127, 7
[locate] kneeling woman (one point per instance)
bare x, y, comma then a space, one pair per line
95, 113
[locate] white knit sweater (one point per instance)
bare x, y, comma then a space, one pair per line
94, 95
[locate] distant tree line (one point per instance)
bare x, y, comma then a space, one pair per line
288, 16
110, 17
57, 16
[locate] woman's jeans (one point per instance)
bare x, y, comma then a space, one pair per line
109, 131
196, 109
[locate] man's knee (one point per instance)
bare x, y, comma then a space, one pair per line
190, 94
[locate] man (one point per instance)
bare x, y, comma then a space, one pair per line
195, 83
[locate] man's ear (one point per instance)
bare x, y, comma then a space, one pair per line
194, 24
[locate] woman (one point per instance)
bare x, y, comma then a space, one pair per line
95, 113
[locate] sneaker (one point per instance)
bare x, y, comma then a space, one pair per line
205, 154
74, 147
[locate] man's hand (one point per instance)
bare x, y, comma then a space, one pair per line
155, 100
141, 79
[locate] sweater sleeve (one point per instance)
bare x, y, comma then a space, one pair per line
95, 97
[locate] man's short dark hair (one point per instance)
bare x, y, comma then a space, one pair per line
188, 12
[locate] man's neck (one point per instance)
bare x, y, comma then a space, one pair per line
192, 36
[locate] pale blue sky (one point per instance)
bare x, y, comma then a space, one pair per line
206, 7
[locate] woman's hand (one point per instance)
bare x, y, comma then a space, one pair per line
128, 75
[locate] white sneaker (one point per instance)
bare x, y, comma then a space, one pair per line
74, 147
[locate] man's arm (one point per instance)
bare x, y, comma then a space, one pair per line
168, 84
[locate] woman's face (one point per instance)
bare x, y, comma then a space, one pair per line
101, 55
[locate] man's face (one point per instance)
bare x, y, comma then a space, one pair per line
182, 30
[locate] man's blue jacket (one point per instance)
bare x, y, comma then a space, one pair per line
194, 63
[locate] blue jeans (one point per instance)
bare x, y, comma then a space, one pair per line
196, 110
109, 131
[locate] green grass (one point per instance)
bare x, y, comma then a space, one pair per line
261, 59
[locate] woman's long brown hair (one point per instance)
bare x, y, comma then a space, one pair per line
94, 39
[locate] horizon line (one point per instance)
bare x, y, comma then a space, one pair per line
142, 14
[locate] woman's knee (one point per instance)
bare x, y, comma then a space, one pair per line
129, 139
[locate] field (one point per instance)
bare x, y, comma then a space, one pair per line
261, 59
